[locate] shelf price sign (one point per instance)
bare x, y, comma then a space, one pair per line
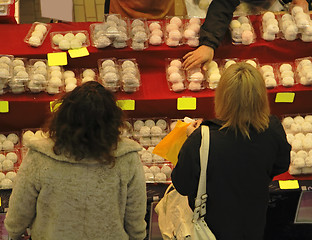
285, 97
4, 106
57, 59
81, 52
186, 103
127, 104
288, 184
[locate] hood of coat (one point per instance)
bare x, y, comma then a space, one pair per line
45, 146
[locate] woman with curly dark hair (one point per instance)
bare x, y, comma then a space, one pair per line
82, 180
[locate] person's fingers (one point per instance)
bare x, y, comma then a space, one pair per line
188, 54
196, 62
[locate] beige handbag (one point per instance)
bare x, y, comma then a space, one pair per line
176, 220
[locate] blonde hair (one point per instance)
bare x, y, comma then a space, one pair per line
241, 99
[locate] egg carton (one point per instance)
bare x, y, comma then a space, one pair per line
38, 75
213, 74
66, 40
288, 28
191, 31
109, 74
139, 33
158, 173
269, 74
174, 31
20, 77
6, 71
14, 156
303, 71
156, 32
130, 78
286, 74
303, 23
301, 162
88, 74
269, 27
149, 132
71, 78
9, 140
242, 31
37, 34
148, 157
196, 79
175, 75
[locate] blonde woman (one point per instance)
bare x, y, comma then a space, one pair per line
248, 147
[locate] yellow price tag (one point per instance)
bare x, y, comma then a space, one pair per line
53, 107
285, 97
80, 52
57, 59
4, 106
288, 184
126, 104
186, 103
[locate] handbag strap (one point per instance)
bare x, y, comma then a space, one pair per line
201, 198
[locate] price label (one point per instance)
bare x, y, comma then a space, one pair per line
126, 104
81, 52
285, 97
186, 103
4, 106
57, 59
53, 106
288, 184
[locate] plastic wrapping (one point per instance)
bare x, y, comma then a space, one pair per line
37, 34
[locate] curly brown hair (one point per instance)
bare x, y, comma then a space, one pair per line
86, 124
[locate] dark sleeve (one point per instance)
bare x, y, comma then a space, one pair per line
282, 162
218, 18
185, 175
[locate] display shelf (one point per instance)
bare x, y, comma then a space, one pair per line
154, 98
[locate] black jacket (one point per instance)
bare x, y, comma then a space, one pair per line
238, 175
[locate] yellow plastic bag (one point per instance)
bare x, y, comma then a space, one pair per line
169, 147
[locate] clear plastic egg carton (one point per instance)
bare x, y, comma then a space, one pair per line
213, 74
31, 133
288, 27
149, 132
20, 77
98, 36
55, 82
158, 173
69, 40
269, 28
109, 73
191, 31
303, 23
70, 79
270, 75
196, 79
6, 71
174, 31
37, 34
242, 31
304, 70
38, 75
148, 157
139, 33
116, 29
175, 75
130, 78
9, 141
156, 32
88, 74
286, 74
9, 165
299, 135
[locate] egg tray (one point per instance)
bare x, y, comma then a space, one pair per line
31, 30
85, 32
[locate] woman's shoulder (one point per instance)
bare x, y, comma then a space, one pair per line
125, 146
